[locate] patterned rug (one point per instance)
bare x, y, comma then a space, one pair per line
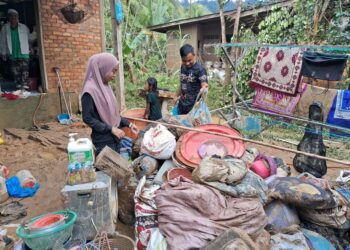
276, 101
278, 69
342, 107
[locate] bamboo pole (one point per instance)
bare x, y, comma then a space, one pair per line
346, 163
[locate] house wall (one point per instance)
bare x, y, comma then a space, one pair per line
69, 46
19, 113
207, 33
176, 39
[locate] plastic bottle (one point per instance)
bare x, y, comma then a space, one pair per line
80, 150
26, 179
81, 160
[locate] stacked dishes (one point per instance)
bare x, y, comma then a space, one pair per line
193, 146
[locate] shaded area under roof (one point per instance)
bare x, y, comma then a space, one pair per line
249, 16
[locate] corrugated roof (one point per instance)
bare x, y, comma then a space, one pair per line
248, 17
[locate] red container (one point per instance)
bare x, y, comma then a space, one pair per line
134, 113
48, 221
176, 172
189, 145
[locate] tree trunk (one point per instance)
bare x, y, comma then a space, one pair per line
223, 40
132, 74
235, 51
223, 26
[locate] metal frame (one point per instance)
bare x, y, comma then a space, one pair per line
254, 45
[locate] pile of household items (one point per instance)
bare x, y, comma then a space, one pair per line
194, 190
203, 187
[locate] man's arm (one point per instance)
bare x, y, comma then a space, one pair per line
203, 78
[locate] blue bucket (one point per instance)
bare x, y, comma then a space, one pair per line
64, 119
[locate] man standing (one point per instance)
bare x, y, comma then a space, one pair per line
15, 47
193, 80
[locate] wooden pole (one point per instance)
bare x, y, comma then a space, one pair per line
346, 163
235, 52
118, 50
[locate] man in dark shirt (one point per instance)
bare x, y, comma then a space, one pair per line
193, 80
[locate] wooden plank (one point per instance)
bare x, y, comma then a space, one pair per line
113, 164
17, 133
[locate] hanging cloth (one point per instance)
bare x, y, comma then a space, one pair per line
329, 67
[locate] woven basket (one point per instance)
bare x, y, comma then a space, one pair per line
117, 241
72, 14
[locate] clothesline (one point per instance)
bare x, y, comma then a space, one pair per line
301, 46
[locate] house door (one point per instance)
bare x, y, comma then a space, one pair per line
23, 70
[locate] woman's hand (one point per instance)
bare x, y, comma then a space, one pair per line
118, 132
134, 128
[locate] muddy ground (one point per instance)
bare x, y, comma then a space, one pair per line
48, 164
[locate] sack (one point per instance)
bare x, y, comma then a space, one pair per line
301, 194
323, 66
334, 217
232, 239
213, 169
159, 143
231, 177
280, 216
199, 114
146, 226
294, 239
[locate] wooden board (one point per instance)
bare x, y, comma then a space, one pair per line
113, 164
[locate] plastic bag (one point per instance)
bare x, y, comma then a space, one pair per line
14, 188
159, 143
199, 114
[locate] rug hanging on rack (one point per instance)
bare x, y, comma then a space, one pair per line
275, 101
342, 107
335, 120
278, 69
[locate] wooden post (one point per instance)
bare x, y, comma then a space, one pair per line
235, 52
118, 50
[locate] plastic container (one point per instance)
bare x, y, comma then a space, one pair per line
46, 240
80, 150
318, 241
3, 190
81, 160
26, 179
134, 113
